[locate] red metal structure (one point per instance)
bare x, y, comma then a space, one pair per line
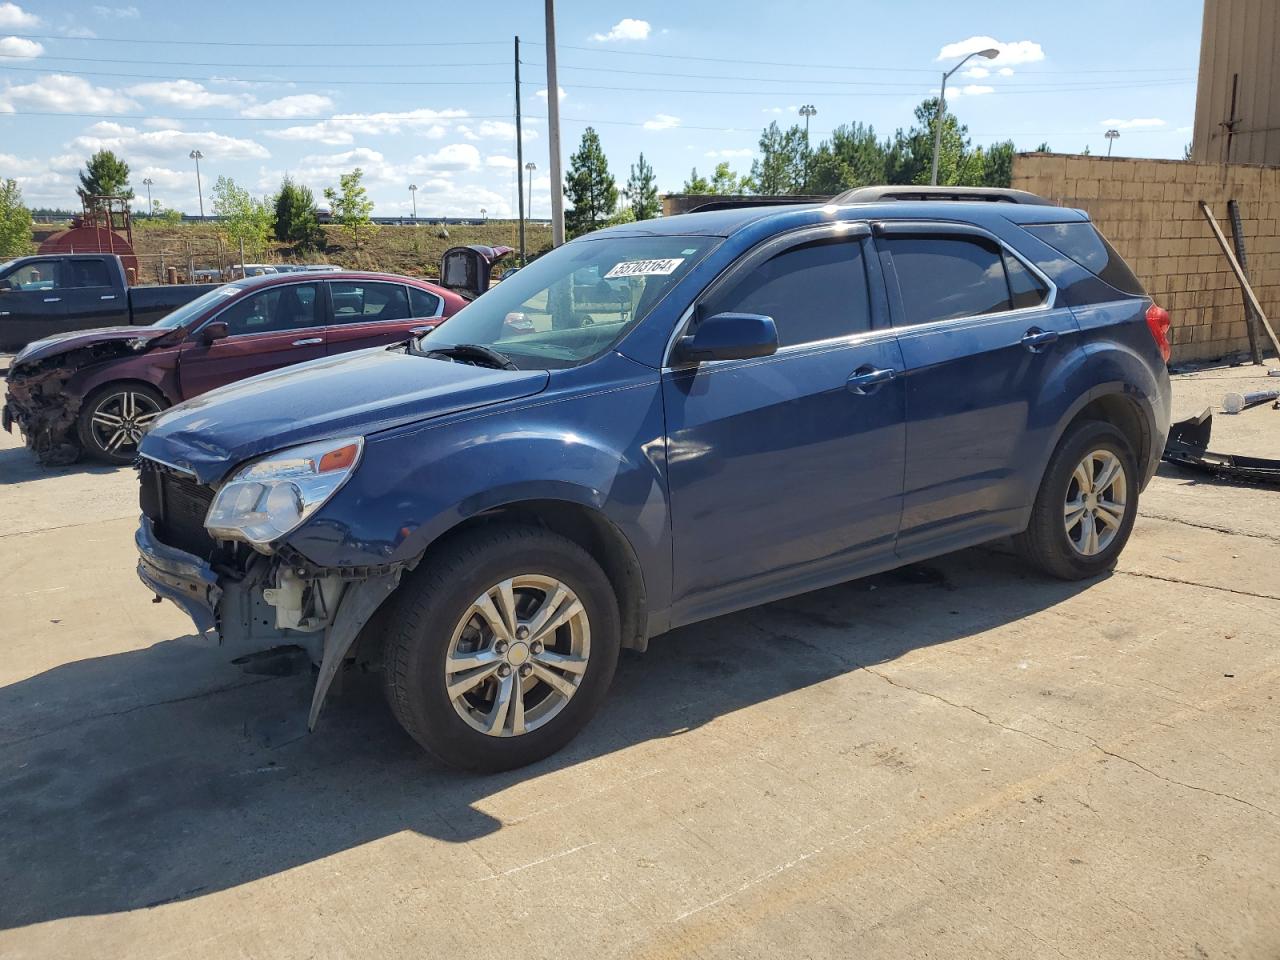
106, 226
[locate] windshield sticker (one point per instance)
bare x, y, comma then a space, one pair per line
645, 268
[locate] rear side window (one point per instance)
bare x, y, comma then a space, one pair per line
368, 301
815, 291
423, 304
1025, 288
942, 278
1087, 247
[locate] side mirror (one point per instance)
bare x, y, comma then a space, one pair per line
214, 331
727, 336
5, 286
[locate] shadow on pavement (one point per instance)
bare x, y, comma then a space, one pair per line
165, 773
19, 465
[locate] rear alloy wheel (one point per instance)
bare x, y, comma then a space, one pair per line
113, 420
501, 646
1086, 506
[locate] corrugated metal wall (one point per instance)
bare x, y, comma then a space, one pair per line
1239, 46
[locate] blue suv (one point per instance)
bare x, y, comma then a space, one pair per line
659, 423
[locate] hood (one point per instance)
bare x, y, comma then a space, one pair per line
356, 393
66, 342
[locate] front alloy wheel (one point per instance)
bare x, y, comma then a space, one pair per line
113, 421
517, 656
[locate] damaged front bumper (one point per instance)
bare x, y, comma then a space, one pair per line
271, 605
44, 412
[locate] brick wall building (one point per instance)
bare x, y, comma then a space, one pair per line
1150, 211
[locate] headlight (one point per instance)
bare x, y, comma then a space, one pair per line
266, 499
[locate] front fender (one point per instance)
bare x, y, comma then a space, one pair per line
603, 450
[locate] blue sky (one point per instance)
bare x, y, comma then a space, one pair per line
689, 84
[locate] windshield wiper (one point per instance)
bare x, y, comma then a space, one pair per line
469, 352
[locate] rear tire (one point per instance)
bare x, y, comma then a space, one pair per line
485, 694
113, 419
1086, 505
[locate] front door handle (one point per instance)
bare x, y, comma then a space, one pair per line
109, 296
867, 380
1035, 339
52, 299
308, 341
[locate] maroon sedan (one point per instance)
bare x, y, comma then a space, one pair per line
97, 390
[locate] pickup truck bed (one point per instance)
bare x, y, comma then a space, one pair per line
45, 295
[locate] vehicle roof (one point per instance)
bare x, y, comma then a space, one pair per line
724, 223
271, 279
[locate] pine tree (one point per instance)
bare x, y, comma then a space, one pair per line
642, 191
589, 187
296, 219
105, 175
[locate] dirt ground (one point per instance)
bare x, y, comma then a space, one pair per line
958, 760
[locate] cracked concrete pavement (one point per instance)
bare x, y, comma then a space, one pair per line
958, 760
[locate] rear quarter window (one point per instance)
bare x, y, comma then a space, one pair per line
1081, 241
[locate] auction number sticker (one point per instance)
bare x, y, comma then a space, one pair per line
645, 268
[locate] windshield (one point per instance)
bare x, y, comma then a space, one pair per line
574, 303
189, 311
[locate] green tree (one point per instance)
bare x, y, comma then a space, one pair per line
642, 191
296, 219
105, 175
726, 182
852, 157
997, 165
246, 219
780, 168
1044, 147
351, 205
696, 184
589, 187
15, 221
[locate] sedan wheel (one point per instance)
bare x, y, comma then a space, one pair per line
113, 422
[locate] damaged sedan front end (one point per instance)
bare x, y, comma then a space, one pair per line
45, 385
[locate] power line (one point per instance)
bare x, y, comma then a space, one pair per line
217, 79
259, 43
273, 66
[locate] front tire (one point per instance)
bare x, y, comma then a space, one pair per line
113, 419
502, 647
1086, 506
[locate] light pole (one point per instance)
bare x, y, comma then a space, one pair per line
151, 210
484, 214
807, 111
990, 53
530, 167
1112, 136
413, 195
197, 156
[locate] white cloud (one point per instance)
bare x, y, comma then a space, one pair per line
1131, 124
1011, 54
969, 90
791, 109
118, 13
1005, 71
186, 94
454, 156
542, 94
977, 73
20, 48
286, 108
315, 132
59, 93
498, 162
662, 121
165, 144
13, 17
731, 153
625, 29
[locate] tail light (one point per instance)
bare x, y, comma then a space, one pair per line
1158, 322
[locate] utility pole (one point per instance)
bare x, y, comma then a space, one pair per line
519, 156
553, 130
151, 208
197, 156
413, 194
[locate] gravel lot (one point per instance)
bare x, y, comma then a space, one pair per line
958, 760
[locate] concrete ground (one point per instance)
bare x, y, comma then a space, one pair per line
958, 760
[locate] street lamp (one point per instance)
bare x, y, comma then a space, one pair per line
807, 111
530, 167
484, 214
151, 210
197, 156
990, 53
413, 194
1112, 136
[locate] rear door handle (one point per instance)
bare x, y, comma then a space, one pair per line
867, 380
1035, 338
52, 299
308, 341
109, 296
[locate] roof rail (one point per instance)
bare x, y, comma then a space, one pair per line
737, 203
925, 192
